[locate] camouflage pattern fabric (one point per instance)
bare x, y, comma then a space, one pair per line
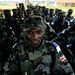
36, 61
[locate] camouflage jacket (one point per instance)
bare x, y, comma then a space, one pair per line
36, 61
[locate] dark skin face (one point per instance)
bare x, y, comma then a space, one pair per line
35, 37
62, 18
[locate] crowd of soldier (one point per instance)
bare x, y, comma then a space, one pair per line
59, 28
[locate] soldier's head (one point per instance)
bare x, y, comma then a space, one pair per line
29, 13
36, 13
51, 12
70, 11
7, 13
56, 11
15, 12
34, 29
61, 15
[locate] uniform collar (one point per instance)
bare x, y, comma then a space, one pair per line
42, 45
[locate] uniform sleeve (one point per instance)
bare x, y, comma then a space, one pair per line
16, 66
65, 64
61, 67
11, 67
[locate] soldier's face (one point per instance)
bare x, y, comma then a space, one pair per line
35, 37
62, 18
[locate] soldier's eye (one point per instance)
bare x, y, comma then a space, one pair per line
39, 32
29, 32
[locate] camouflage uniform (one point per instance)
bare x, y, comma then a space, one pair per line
36, 61
69, 18
7, 40
60, 24
44, 60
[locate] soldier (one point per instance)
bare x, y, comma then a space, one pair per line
8, 17
69, 18
29, 13
50, 16
60, 24
37, 56
7, 40
69, 15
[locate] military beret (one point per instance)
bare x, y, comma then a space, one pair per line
29, 11
14, 10
56, 10
6, 11
36, 12
51, 10
21, 5
59, 10
33, 23
70, 10
61, 13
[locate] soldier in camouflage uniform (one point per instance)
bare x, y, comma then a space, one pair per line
69, 18
60, 24
69, 15
37, 56
7, 40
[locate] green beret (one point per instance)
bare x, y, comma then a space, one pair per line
61, 13
70, 10
6, 11
14, 10
29, 11
51, 10
56, 10
37, 12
